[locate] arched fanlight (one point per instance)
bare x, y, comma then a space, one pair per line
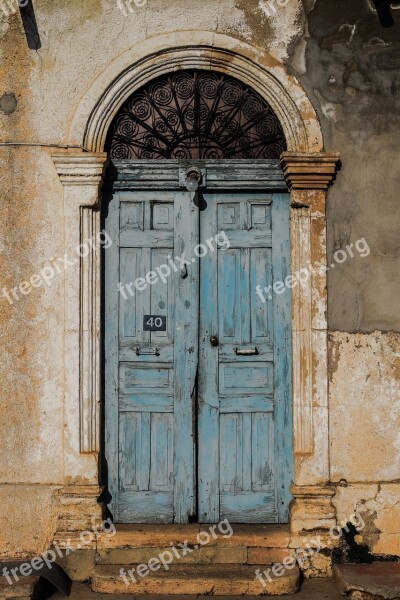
195, 114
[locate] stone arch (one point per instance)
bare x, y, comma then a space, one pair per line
254, 67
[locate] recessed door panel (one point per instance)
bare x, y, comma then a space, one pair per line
198, 411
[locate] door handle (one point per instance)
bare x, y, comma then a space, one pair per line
214, 340
249, 352
155, 352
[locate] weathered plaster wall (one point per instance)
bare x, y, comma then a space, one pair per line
28, 519
349, 66
365, 434
365, 407
31, 407
80, 40
378, 506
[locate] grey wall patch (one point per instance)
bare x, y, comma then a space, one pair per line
8, 103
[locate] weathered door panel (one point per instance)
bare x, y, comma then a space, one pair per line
243, 446
244, 381
150, 375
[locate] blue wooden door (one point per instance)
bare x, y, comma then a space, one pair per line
198, 416
244, 362
150, 375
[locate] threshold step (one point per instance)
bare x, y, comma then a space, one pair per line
223, 534
215, 580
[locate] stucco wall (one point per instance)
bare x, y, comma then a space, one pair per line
365, 433
31, 407
349, 66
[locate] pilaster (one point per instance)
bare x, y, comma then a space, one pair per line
308, 177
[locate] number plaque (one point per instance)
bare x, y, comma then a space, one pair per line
154, 323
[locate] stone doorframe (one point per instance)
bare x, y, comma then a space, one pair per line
308, 172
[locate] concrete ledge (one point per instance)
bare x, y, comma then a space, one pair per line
378, 580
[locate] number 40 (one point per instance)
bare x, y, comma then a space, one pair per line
154, 322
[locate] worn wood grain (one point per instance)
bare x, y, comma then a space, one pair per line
244, 384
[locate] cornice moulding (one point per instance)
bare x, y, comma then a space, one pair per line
85, 168
305, 171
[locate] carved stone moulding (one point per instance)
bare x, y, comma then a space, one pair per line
305, 171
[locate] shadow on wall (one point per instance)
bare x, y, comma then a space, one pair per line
30, 26
383, 8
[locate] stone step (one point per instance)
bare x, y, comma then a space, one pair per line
377, 581
23, 589
312, 589
191, 554
156, 536
216, 580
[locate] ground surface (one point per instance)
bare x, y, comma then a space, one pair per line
376, 580
316, 589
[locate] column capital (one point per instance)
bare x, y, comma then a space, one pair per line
80, 168
309, 171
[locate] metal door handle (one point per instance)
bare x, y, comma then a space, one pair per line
249, 352
155, 352
214, 340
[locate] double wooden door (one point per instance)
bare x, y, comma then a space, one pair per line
197, 399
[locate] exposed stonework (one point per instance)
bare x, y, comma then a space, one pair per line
317, 565
378, 506
79, 510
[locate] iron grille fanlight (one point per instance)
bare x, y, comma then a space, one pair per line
195, 115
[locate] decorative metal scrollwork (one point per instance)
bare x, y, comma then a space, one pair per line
195, 115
